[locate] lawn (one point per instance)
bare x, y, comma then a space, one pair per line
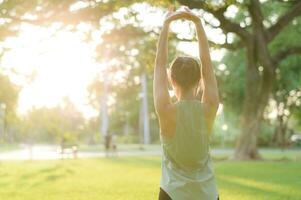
137, 178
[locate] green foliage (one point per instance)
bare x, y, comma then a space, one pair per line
132, 47
8, 102
231, 81
266, 134
226, 130
56, 125
8, 93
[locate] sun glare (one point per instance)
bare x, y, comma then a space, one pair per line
62, 66
50, 64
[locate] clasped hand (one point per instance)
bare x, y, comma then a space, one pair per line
181, 14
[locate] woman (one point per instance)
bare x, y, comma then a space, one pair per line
187, 172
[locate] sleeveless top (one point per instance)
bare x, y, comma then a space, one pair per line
187, 171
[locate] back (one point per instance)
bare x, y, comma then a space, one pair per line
186, 165
188, 149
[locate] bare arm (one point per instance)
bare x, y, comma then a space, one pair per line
208, 84
161, 95
210, 93
163, 105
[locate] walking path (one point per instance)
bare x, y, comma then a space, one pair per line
51, 152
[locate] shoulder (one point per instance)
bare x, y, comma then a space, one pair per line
209, 108
167, 111
209, 113
167, 120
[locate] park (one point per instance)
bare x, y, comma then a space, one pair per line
140, 100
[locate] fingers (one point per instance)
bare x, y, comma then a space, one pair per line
172, 8
187, 9
183, 13
170, 11
176, 14
168, 14
189, 14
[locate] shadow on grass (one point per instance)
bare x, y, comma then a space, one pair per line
47, 179
53, 177
267, 179
39, 172
3, 175
153, 162
45, 175
252, 188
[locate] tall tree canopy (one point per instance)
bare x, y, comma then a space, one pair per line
8, 104
258, 29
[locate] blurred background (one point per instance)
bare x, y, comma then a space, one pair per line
76, 82
77, 74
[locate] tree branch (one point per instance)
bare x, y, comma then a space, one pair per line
214, 45
229, 26
255, 11
231, 46
284, 20
218, 12
285, 53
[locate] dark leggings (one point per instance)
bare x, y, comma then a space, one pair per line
164, 196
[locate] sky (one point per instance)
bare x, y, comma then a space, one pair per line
62, 65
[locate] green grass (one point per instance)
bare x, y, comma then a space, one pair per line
267, 154
137, 178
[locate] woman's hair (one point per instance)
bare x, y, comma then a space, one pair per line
185, 71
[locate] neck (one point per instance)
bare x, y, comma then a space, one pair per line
187, 95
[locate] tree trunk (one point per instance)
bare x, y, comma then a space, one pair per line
257, 91
259, 84
247, 143
256, 100
246, 147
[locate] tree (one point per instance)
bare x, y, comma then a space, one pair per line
131, 60
255, 27
287, 98
63, 123
8, 103
255, 34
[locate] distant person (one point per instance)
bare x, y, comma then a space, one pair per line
63, 143
108, 144
185, 126
114, 143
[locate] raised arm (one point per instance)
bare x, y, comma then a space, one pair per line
210, 95
161, 95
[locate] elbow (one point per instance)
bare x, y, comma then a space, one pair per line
215, 104
211, 96
158, 105
214, 100
160, 108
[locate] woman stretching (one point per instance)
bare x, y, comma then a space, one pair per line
187, 171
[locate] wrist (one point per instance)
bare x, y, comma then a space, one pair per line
197, 21
166, 23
